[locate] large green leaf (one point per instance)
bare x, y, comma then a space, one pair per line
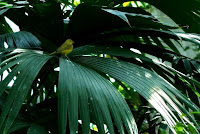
42, 18
162, 95
26, 71
20, 39
85, 90
178, 10
95, 20
105, 48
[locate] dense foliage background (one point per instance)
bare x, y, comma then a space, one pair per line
134, 68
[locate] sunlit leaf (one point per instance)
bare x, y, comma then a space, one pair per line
148, 84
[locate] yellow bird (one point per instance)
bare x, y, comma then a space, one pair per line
65, 48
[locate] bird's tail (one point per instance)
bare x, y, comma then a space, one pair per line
53, 53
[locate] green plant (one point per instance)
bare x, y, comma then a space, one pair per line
128, 71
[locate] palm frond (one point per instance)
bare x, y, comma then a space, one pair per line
20, 39
25, 71
162, 95
86, 90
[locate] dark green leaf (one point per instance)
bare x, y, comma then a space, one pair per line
28, 71
103, 99
20, 39
187, 65
147, 83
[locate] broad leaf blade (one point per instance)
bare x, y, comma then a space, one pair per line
102, 97
20, 39
28, 71
147, 83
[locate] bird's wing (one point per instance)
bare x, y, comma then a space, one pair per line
64, 47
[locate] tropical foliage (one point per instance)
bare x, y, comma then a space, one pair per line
134, 68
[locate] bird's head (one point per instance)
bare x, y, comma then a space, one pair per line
69, 41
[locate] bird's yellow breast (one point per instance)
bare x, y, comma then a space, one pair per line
66, 52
